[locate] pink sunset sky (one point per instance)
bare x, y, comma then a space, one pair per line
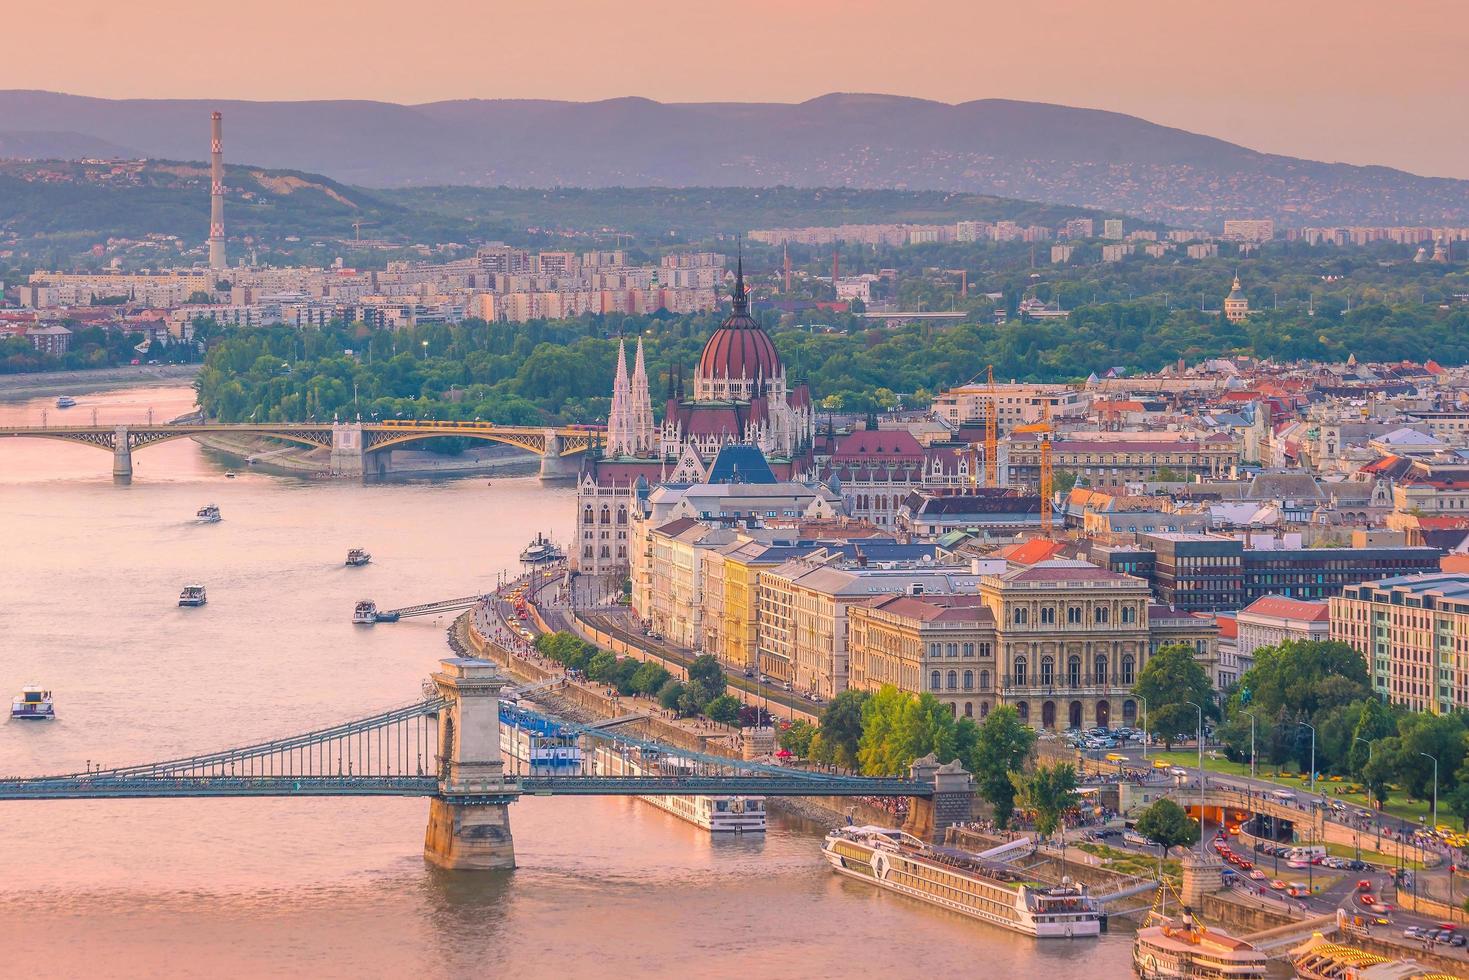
1348, 80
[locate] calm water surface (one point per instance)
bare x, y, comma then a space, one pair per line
89, 577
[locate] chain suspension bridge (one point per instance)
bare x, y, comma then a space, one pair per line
447, 747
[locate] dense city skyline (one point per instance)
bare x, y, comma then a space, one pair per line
1280, 88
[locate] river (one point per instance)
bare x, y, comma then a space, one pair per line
89, 575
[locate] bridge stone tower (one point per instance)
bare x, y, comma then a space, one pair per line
122, 455
469, 821
349, 451
556, 468
952, 801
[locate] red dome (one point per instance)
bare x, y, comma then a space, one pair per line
739, 348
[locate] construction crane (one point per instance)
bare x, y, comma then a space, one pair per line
1042, 429
357, 228
991, 432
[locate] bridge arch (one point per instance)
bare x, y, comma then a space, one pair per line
530, 442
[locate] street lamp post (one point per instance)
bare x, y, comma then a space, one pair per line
1435, 787
1251, 716
1376, 817
1145, 725
1200, 709
1315, 808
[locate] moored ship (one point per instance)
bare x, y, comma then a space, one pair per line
963, 883
33, 704
365, 613
1185, 949
540, 746
716, 814
193, 595
541, 551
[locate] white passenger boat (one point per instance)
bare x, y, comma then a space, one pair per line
540, 746
365, 613
358, 557
1186, 949
962, 882
716, 814
65, 401
541, 551
193, 595
208, 514
33, 704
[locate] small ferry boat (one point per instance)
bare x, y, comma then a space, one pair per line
208, 514
1184, 948
541, 747
541, 552
33, 704
962, 882
65, 401
229, 474
365, 613
716, 814
193, 595
357, 557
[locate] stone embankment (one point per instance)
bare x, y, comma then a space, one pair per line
18, 387
587, 703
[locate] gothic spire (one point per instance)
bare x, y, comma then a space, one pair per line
741, 299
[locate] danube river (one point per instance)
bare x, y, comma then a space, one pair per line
88, 584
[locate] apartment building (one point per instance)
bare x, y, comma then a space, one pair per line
1016, 404
1414, 632
801, 614
1272, 620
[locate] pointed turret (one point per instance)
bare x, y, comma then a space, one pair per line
640, 409
619, 416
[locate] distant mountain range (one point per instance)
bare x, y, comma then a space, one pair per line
1032, 151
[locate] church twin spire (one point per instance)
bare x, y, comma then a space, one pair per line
630, 429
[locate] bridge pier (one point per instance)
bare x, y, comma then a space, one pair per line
556, 468
122, 456
952, 801
469, 821
349, 453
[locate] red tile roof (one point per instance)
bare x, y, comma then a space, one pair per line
1276, 605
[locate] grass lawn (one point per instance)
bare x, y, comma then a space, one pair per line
1397, 806
1372, 857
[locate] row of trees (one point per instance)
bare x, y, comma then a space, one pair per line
702, 694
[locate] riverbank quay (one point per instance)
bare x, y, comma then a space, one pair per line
20, 387
472, 634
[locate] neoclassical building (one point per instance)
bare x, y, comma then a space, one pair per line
741, 396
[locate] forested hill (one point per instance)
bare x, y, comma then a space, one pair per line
1048, 153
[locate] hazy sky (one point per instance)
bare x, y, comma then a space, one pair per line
1361, 81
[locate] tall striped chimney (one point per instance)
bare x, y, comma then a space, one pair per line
217, 258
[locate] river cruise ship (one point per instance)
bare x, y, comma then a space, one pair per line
962, 883
33, 704
716, 814
539, 746
193, 595
1175, 949
208, 514
541, 551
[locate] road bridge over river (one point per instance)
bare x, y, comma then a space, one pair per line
447, 747
355, 447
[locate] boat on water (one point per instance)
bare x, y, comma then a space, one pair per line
33, 704
366, 612
963, 882
540, 746
357, 557
716, 814
208, 514
65, 401
541, 551
229, 474
1186, 949
193, 595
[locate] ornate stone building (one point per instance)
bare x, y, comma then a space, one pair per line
741, 396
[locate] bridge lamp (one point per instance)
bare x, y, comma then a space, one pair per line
1200, 709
